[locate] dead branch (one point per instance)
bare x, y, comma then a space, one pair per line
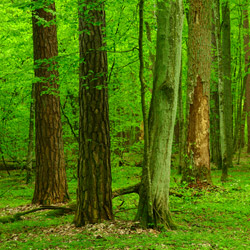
135, 189
127, 190
72, 207
17, 216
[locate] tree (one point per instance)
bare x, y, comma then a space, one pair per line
31, 137
225, 95
197, 167
50, 184
214, 95
94, 194
247, 75
154, 190
224, 87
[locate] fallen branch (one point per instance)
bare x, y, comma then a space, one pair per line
72, 207
127, 190
135, 189
17, 216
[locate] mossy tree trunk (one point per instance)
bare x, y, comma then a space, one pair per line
94, 194
154, 207
197, 167
50, 184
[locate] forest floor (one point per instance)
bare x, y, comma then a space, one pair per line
215, 218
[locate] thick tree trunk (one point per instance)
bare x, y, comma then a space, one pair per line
247, 76
94, 194
50, 184
197, 167
162, 116
226, 120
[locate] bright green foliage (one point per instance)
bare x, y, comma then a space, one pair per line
216, 219
15, 79
17, 74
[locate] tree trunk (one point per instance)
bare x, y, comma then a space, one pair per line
94, 194
50, 184
154, 208
239, 127
226, 122
31, 137
242, 122
214, 105
224, 127
247, 76
197, 167
145, 210
181, 134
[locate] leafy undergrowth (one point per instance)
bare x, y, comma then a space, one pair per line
217, 217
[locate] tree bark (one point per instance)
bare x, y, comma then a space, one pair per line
154, 208
31, 136
145, 190
181, 121
247, 75
50, 184
226, 122
197, 167
223, 89
214, 105
94, 194
239, 128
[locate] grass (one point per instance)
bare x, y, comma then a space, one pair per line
218, 218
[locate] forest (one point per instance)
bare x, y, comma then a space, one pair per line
124, 124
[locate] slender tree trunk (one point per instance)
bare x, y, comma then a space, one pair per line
226, 122
145, 210
181, 139
197, 167
50, 184
31, 136
247, 75
214, 106
151, 55
162, 115
221, 85
239, 128
94, 194
242, 124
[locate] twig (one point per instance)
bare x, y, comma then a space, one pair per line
70, 125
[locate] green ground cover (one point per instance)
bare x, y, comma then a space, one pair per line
215, 218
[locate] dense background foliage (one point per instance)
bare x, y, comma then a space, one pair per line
228, 202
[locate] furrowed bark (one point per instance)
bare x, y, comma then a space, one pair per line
50, 185
94, 194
